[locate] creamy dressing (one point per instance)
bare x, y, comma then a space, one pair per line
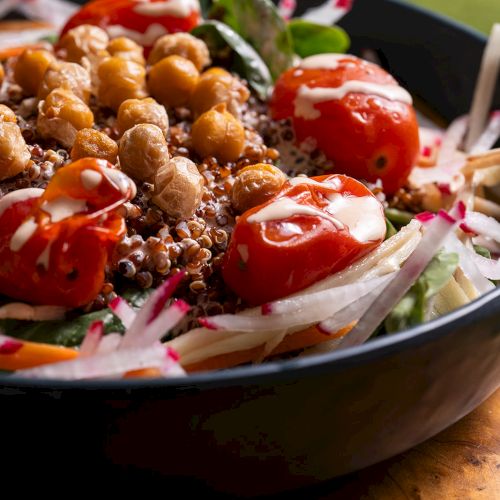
307, 97
63, 207
325, 61
361, 214
147, 39
23, 233
332, 184
174, 8
123, 183
17, 196
44, 258
90, 178
285, 208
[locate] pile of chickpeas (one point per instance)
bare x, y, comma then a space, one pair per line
174, 125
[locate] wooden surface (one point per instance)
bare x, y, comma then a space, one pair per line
461, 463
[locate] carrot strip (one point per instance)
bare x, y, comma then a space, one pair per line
17, 51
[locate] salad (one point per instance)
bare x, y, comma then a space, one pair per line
191, 185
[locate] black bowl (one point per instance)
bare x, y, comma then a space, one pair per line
287, 424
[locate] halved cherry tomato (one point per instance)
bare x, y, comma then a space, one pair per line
142, 20
312, 228
54, 248
365, 135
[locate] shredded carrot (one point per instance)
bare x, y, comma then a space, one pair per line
17, 51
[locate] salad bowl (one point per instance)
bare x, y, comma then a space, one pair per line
284, 425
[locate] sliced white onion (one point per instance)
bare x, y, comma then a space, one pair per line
452, 139
437, 231
92, 339
112, 364
483, 225
123, 311
448, 173
489, 137
490, 268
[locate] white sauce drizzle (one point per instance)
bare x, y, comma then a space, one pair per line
243, 251
147, 39
332, 184
325, 61
307, 97
23, 233
17, 196
90, 178
44, 257
121, 181
63, 207
174, 8
285, 208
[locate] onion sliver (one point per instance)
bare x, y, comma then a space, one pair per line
483, 225
489, 137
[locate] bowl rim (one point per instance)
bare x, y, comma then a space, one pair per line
282, 370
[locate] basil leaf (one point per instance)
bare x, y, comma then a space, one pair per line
311, 38
226, 46
412, 308
70, 332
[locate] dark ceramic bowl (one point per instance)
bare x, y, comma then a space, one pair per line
287, 424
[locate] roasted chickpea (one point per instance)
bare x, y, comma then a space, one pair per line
178, 187
30, 69
66, 75
216, 86
143, 151
120, 80
94, 144
61, 115
83, 41
173, 80
125, 48
181, 44
14, 153
136, 111
218, 133
255, 185
7, 115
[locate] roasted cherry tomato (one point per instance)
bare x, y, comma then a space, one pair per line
355, 112
141, 20
314, 227
55, 244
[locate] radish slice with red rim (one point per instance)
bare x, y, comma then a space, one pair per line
92, 339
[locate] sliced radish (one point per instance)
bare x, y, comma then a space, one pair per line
483, 225
92, 339
489, 137
435, 235
109, 343
8, 345
452, 139
447, 175
122, 309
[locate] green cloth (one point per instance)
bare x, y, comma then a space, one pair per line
480, 14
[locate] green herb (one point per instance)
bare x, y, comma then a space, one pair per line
391, 230
482, 251
412, 308
398, 217
50, 38
311, 38
227, 47
70, 332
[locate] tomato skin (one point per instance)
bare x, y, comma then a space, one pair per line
78, 246
366, 136
104, 13
269, 260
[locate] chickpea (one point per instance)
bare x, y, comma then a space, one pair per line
181, 44
30, 69
94, 144
218, 133
61, 115
136, 111
125, 48
14, 153
255, 185
83, 41
215, 86
66, 75
178, 187
173, 80
7, 115
120, 80
143, 151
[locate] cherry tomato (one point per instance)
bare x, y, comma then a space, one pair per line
142, 20
312, 228
54, 246
365, 135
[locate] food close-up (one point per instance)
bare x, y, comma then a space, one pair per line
180, 193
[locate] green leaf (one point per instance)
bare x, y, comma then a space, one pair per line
398, 217
412, 308
260, 23
391, 230
70, 332
226, 45
482, 251
311, 38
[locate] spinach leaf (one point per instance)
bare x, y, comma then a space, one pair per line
412, 308
311, 38
70, 332
226, 45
